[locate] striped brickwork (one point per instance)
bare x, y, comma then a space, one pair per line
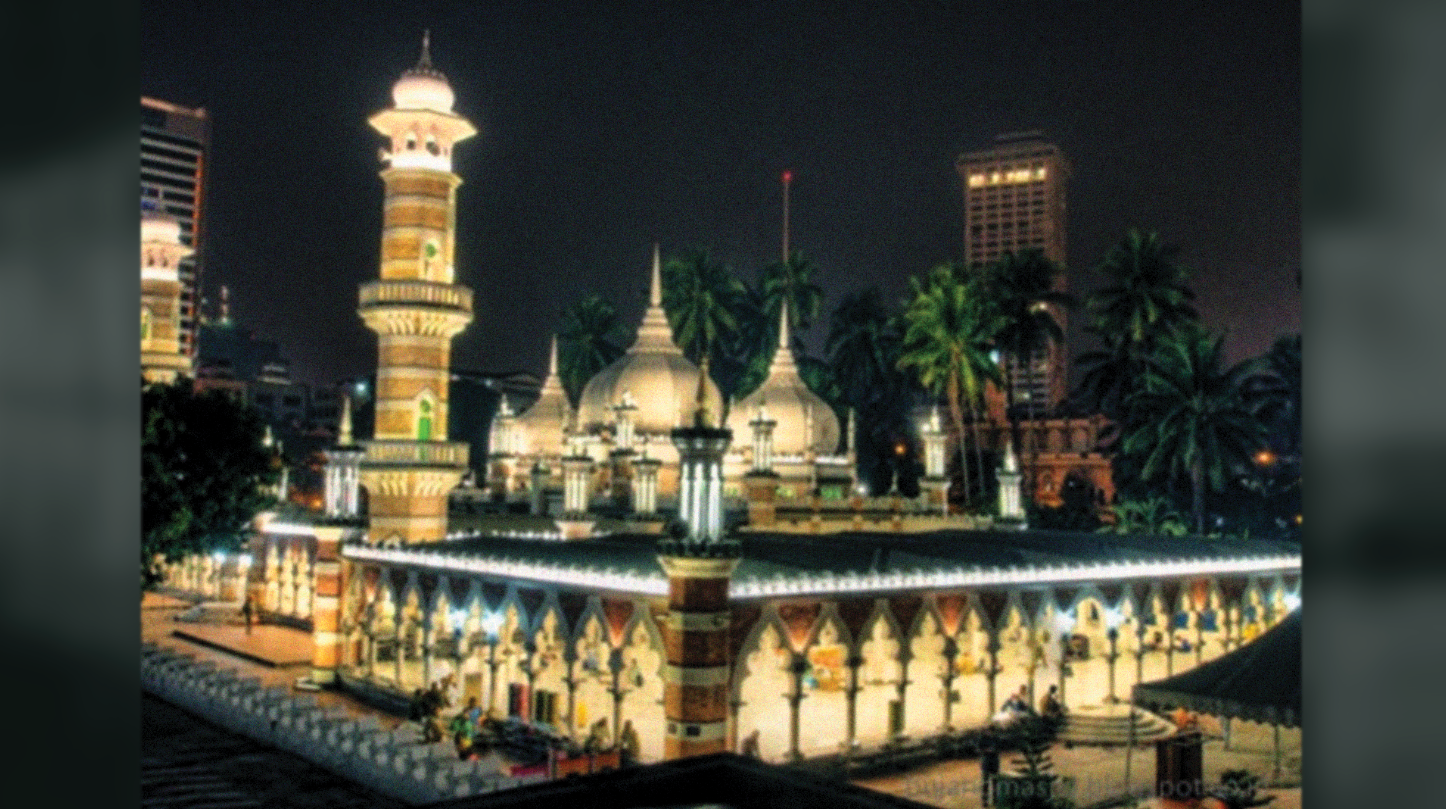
695, 639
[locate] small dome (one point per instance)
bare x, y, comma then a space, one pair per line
422, 91
804, 422
159, 227
541, 427
423, 87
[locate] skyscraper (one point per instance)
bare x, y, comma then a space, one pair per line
174, 143
1014, 200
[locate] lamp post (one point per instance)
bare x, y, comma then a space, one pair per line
1113, 619
1063, 624
626, 679
459, 617
491, 623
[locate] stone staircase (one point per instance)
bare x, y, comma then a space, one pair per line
1109, 725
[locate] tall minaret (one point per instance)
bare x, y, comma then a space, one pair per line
161, 253
416, 310
699, 567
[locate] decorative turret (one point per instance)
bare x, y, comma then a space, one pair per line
343, 462
161, 253
935, 482
1011, 495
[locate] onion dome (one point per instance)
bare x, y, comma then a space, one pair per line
661, 382
423, 87
540, 428
804, 421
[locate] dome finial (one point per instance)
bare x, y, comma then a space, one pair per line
426, 60
655, 289
552, 358
783, 324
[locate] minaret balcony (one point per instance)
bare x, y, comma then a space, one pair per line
416, 293
415, 453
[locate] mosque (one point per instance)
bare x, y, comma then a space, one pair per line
824, 622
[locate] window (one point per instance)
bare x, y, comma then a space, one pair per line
424, 420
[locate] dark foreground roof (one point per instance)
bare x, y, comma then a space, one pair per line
719, 780
1259, 682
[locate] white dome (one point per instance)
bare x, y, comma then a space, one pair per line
804, 422
423, 90
663, 385
661, 381
541, 426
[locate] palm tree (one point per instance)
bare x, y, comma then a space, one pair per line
590, 339
791, 281
1194, 421
949, 327
741, 363
699, 296
1021, 288
864, 344
1146, 297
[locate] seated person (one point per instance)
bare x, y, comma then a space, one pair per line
1050, 707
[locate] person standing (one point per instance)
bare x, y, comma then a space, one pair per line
988, 767
628, 741
247, 610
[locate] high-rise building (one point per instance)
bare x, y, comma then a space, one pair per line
175, 141
1014, 200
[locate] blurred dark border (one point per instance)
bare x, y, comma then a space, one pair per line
1374, 278
69, 454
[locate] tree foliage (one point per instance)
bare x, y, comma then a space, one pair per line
1193, 420
204, 473
948, 341
700, 295
590, 339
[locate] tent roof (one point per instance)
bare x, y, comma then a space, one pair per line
1259, 682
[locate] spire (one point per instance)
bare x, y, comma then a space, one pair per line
552, 358
655, 292
783, 324
426, 61
343, 433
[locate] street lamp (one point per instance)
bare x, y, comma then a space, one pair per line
459, 617
1064, 622
491, 623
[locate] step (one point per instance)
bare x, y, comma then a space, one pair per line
1109, 724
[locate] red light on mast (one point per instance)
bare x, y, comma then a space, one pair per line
788, 176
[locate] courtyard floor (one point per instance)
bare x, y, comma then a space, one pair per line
1099, 773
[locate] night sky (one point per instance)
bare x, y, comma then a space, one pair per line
608, 126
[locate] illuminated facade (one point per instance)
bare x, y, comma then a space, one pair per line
163, 357
800, 640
